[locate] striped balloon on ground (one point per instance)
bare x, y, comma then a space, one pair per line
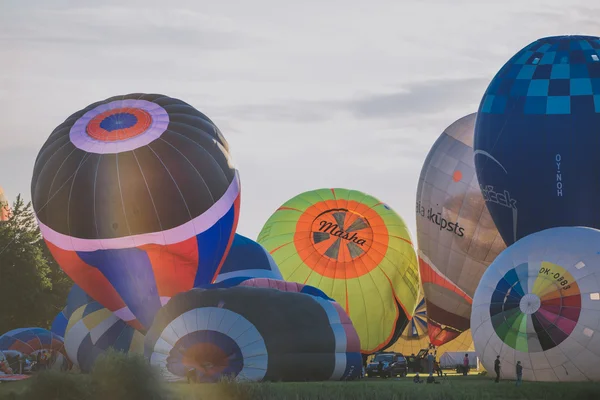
30, 341
76, 298
262, 329
93, 329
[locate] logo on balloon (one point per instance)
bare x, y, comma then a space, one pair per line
503, 199
559, 184
341, 234
335, 230
440, 221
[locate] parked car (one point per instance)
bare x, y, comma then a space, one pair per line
386, 365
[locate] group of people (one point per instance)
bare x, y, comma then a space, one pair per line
23, 364
518, 371
435, 367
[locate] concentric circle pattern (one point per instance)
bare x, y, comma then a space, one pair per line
119, 124
535, 307
253, 329
539, 303
354, 248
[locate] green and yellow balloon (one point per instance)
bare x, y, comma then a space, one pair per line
357, 250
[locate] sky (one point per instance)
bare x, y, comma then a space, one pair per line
309, 94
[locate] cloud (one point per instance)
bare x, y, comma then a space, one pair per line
420, 98
123, 26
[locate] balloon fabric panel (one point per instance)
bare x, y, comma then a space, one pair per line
535, 138
456, 234
539, 303
354, 248
157, 201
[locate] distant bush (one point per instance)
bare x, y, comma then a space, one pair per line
116, 376
50, 385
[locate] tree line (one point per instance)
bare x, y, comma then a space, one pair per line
33, 288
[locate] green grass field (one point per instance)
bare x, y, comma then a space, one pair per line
455, 387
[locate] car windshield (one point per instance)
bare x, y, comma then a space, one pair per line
384, 358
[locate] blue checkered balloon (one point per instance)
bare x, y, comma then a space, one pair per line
537, 138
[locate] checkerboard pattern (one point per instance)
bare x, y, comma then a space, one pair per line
554, 75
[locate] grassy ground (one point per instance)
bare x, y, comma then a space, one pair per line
455, 387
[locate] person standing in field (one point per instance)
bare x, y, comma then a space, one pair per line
430, 359
519, 373
466, 365
497, 368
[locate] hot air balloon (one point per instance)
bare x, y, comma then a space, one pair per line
4, 206
536, 138
76, 298
539, 303
31, 341
415, 336
246, 258
354, 248
259, 330
92, 330
456, 235
137, 199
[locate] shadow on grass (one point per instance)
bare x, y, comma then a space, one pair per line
120, 377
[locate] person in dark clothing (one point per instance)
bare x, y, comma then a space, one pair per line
519, 371
497, 368
191, 375
417, 379
438, 368
466, 365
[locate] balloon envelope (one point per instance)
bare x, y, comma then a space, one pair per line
76, 298
536, 138
92, 330
4, 206
354, 248
137, 199
415, 336
456, 234
539, 303
263, 329
30, 341
246, 258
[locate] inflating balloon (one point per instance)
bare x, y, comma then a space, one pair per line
536, 139
246, 258
414, 337
539, 303
456, 234
31, 341
354, 248
4, 207
92, 330
76, 298
137, 200
263, 329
